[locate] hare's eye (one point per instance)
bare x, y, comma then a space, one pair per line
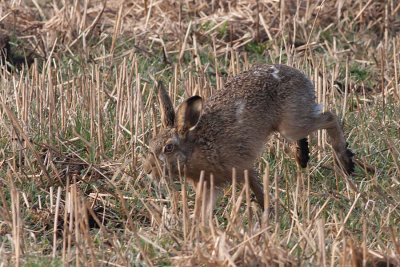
169, 148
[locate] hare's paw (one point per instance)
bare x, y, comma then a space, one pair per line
346, 161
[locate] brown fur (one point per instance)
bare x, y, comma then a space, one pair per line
230, 129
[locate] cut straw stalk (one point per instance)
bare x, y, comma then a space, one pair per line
56, 214
16, 221
75, 86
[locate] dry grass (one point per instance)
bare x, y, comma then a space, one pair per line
77, 108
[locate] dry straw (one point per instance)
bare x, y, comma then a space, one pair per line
78, 116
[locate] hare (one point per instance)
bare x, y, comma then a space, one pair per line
229, 130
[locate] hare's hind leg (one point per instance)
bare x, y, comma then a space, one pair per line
301, 152
330, 122
299, 126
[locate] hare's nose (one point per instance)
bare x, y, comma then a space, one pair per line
147, 168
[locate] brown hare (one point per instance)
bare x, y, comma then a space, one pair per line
229, 129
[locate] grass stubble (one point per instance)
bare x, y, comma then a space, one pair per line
75, 121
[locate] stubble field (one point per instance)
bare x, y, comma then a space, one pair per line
78, 106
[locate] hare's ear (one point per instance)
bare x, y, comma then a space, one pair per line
167, 109
188, 114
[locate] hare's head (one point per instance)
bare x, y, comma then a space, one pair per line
172, 147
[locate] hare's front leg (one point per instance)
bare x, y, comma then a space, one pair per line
206, 198
256, 187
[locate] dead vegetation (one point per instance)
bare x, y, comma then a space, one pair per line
77, 107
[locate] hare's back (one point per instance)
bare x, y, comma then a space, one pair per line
282, 79
263, 89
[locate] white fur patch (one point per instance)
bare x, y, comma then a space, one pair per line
318, 109
275, 72
161, 158
239, 110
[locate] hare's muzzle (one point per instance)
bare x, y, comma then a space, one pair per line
148, 164
150, 167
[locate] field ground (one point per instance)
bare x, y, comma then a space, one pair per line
78, 106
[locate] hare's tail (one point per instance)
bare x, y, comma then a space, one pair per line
302, 152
